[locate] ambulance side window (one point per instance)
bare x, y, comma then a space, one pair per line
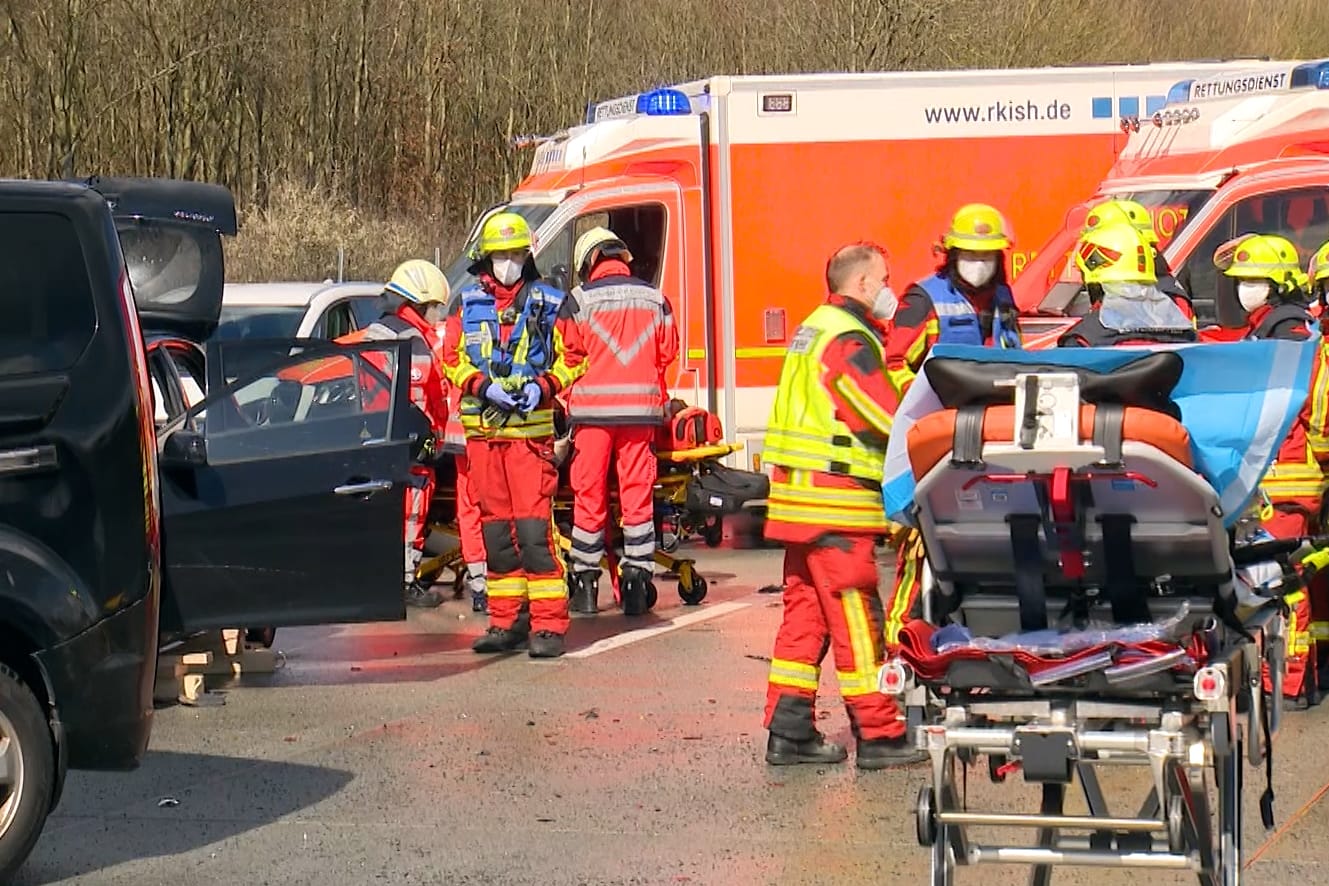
1301, 215
643, 228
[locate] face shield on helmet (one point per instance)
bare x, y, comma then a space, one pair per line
1128, 212
1115, 254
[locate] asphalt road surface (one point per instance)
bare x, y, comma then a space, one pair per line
393, 754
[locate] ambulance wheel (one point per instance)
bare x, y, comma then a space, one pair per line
691, 588
264, 637
925, 821
712, 531
652, 596
29, 769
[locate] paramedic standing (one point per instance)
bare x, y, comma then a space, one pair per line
965, 302
1272, 294
627, 329
414, 299
504, 347
826, 444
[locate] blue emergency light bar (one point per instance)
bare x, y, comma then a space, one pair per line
1308, 75
664, 102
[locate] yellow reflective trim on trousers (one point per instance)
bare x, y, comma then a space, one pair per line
903, 591
862, 679
1320, 631
827, 517
546, 588
1298, 637
794, 673
507, 586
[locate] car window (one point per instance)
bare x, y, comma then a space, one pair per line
45, 294
258, 321
336, 321
1301, 215
311, 402
366, 309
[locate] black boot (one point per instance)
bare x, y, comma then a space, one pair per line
523, 623
546, 644
586, 593
499, 640
781, 751
883, 753
421, 597
634, 588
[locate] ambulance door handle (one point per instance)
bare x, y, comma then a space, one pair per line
367, 488
28, 459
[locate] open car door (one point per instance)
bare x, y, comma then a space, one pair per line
282, 492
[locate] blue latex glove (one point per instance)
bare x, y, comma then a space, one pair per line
499, 397
531, 395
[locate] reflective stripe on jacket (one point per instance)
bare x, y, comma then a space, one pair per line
627, 328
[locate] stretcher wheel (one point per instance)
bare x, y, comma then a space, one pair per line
712, 531
925, 821
1176, 825
691, 587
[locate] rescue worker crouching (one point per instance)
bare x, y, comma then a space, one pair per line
966, 302
414, 300
1117, 262
1129, 212
506, 349
826, 444
627, 329
1272, 295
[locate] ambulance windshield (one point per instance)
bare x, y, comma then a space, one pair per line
535, 215
1170, 209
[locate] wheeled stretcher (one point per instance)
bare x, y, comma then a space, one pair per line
1088, 603
694, 492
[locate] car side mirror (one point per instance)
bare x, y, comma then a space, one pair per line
561, 278
184, 449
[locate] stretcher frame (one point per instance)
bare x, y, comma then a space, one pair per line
670, 497
1190, 727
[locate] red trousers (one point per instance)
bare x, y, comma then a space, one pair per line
419, 493
514, 482
632, 450
830, 601
1292, 522
468, 520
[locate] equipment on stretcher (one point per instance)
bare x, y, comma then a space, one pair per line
1093, 598
694, 492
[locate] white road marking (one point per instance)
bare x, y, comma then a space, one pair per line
619, 640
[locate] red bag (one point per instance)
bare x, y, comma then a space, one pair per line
688, 427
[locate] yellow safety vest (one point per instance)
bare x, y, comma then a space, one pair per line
804, 436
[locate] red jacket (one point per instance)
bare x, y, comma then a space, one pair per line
427, 379
626, 328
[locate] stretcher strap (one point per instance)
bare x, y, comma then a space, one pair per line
1128, 606
1108, 421
967, 441
1028, 555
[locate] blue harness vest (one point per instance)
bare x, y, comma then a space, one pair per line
537, 308
958, 320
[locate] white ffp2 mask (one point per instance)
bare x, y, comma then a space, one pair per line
506, 271
976, 271
885, 304
1252, 294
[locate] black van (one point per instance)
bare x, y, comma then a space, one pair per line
116, 532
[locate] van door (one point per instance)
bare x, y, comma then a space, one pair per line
282, 491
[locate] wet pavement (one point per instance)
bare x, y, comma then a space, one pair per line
392, 754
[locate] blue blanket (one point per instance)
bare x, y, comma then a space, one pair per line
1238, 402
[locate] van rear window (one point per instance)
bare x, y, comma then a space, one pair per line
47, 314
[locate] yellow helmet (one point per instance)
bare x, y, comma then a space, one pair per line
1318, 269
1122, 211
597, 238
419, 281
501, 231
1261, 257
979, 227
1116, 253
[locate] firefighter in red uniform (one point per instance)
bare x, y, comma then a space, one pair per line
1317, 273
510, 348
1271, 290
415, 298
469, 533
1117, 263
826, 444
627, 328
1113, 212
966, 302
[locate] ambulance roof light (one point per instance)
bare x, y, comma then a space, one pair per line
1180, 91
664, 102
1313, 74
